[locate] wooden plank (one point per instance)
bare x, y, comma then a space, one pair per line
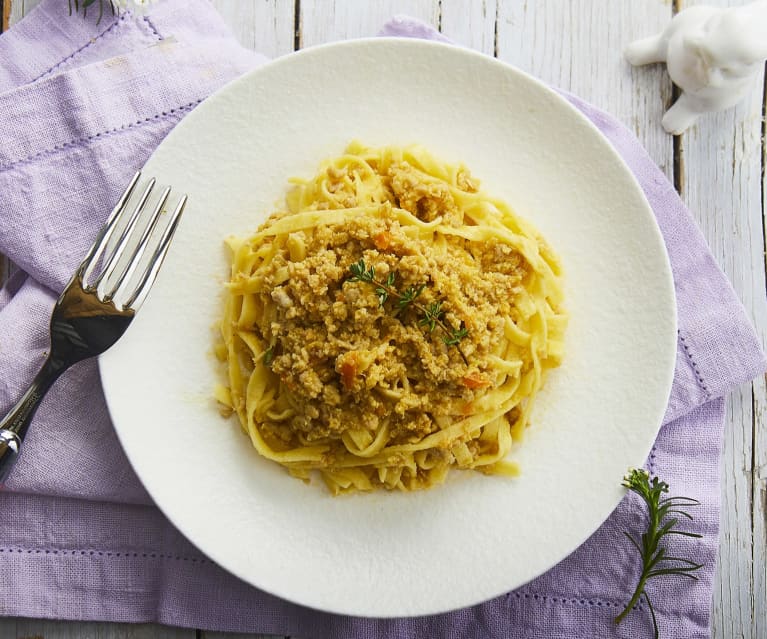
18, 8
329, 20
759, 433
471, 24
263, 25
6, 14
576, 46
758, 513
723, 158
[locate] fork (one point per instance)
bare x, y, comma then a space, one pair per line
93, 313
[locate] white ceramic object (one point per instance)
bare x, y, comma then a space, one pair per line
712, 54
396, 554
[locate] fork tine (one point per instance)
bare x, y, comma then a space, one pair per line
122, 243
128, 269
99, 244
150, 272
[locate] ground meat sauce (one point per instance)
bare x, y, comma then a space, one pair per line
351, 362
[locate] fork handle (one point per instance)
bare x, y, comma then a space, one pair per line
14, 425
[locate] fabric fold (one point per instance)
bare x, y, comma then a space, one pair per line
72, 41
112, 108
80, 537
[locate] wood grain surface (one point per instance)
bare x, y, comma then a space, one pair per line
5, 14
718, 167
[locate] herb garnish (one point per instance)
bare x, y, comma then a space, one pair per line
655, 561
408, 295
268, 356
87, 3
456, 336
431, 314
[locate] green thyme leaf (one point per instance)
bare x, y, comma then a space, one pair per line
432, 314
357, 270
456, 336
409, 295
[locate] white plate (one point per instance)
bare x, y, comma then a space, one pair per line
386, 554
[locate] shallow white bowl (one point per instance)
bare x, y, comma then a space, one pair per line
475, 537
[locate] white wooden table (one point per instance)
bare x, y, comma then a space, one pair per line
718, 167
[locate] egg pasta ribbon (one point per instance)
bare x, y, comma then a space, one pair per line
389, 323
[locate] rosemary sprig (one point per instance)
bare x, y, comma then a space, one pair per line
655, 561
431, 314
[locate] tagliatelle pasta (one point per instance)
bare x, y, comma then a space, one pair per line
390, 323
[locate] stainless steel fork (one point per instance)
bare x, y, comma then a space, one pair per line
93, 313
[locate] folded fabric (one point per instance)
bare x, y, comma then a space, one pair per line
80, 539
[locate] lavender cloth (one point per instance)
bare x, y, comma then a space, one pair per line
83, 107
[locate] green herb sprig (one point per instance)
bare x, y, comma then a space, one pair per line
661, 523
87, 3
431, 315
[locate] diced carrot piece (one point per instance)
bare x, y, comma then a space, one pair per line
382, 240
475, 380
349, 371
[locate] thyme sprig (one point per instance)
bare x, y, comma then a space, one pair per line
431, 315
655, 560
408, 295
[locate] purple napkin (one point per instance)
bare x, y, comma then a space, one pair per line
83, 108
